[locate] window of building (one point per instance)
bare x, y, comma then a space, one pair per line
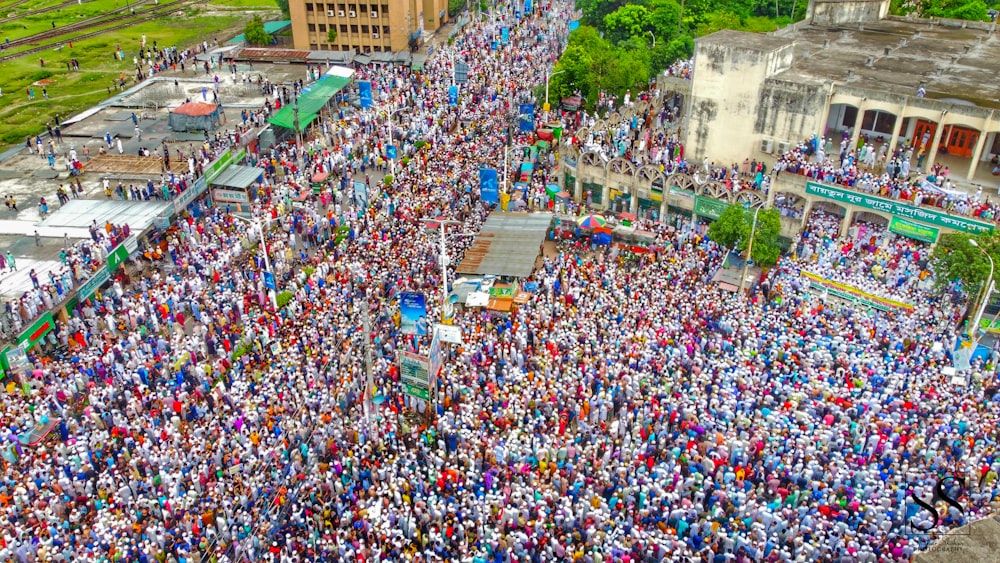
364, 29
378, 49
850, 117
322, 28
345, 47
342, 7
312, 27
314, 46
309, 7
385, 30
384, 10
354, 29
368, 49
879, 122
343, 28
374, 9
352, 8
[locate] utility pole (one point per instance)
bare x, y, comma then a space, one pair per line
442, 225
369, 381
746, 263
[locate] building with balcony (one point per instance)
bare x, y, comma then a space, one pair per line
380, 26
849, 70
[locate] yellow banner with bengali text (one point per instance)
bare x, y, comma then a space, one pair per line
863, 296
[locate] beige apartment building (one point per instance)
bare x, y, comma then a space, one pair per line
376, 26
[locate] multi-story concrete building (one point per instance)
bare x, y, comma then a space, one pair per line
374, 26
849, 68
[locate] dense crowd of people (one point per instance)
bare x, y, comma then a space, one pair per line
873, 169
631, 410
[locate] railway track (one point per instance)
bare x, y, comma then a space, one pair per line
127, 20
12, 6
31, 12
75, 26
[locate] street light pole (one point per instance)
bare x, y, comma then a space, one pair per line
442, 225
654, 38
267, 261
746, 263
986, 294
367, 327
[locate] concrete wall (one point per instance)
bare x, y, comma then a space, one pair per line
789, 111
842, 12
727, 94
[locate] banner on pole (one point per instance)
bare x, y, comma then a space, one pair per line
413, 313
526, 117
453, 96
414, 373
489, 188
365, 93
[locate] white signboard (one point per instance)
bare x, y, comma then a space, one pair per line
449, 333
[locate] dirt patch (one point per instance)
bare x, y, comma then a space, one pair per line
44, 82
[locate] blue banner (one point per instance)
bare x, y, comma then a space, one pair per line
453, 96
574, 24
504, 35
527, 117
361, 194
269, 281
390, 151
494, 46
527, 7
365, 93
489, 189
413, 313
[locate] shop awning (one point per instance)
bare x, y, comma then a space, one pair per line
310, 102
240, 177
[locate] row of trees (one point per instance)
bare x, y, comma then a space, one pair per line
973, 10
621, 44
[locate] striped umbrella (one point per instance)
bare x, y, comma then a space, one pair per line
591, 221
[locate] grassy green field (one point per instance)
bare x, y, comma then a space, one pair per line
72, 92
257, 4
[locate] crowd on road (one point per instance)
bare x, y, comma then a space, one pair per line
630, 411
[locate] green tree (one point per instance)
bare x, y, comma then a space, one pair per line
956, 259
974, 10
331, 35
283, 6
254, 32
631, 20
766, 250
730, 228
664, 19
595, 10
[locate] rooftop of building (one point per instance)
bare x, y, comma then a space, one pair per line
952, 59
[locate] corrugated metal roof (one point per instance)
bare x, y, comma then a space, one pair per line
238, 177
507, 245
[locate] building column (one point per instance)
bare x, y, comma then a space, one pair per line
857, 127
932, 152
664, 206
577, 186
897, 129
980, 145
605, 195
805, 214
846, 223
633, 202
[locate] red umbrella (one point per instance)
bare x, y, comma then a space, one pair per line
627, 216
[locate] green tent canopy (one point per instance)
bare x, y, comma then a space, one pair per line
310, 102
